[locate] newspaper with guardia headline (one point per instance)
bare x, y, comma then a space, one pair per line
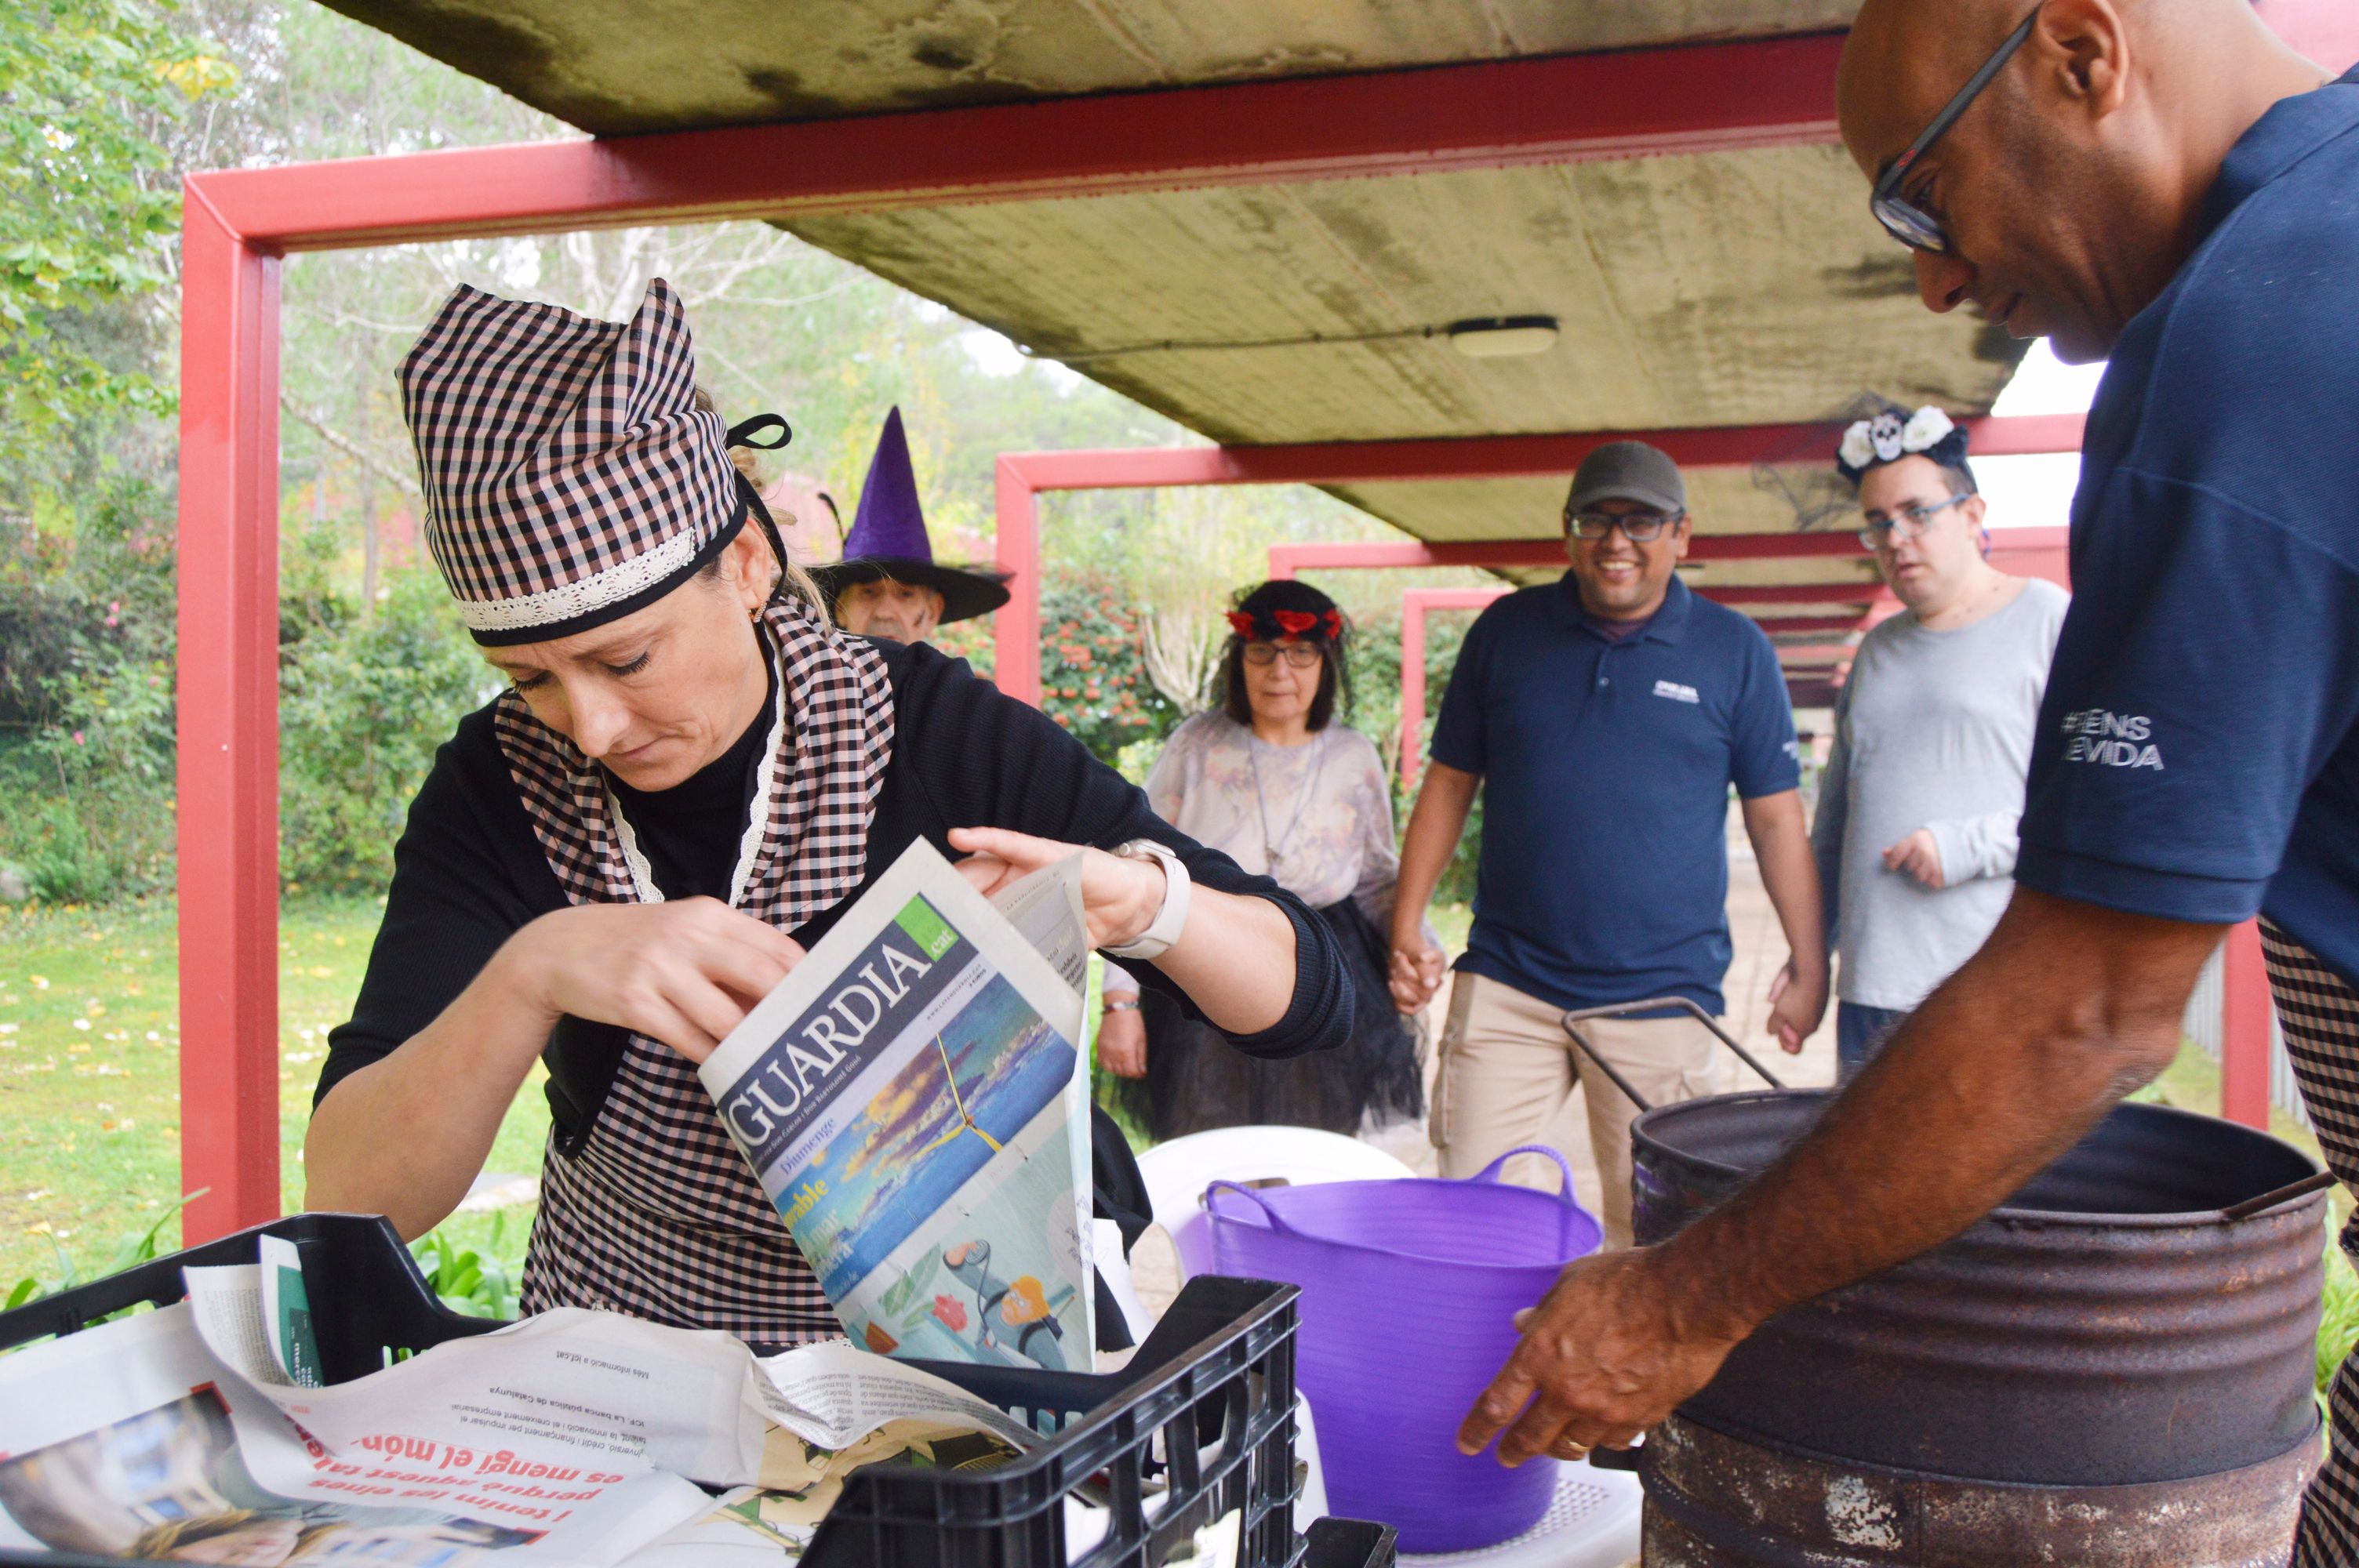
914, 1098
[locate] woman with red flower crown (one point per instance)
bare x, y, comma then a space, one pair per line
1269, 777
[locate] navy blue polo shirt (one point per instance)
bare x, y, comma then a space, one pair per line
1605, 770
2195, 757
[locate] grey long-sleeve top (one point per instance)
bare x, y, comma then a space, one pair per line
1934, 730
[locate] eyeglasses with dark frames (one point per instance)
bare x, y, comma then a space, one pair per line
1877, 531
1638, 528
1302, 655
1902, 216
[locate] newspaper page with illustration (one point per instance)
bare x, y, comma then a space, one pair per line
573, 1437
915, 1102
135, 1439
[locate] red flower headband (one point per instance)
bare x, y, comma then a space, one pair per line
1269, 626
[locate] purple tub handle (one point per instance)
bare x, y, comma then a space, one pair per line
1490, 1172
1251, 1197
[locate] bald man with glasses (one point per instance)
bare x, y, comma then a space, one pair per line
2162, 184
1606, 719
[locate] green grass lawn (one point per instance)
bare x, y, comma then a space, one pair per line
90, 1072
90, 1080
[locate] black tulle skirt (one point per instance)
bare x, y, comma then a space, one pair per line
1196, 1080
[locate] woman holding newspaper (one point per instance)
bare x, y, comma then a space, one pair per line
690, 775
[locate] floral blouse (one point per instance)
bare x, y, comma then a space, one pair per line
1317, 819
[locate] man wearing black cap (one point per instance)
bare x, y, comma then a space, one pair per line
1606, 716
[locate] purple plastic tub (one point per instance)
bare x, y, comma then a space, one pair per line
1410, 1293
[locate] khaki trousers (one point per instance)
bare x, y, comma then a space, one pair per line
1507, 1067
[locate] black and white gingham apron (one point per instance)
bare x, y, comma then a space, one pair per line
2320, 1013
657, 1214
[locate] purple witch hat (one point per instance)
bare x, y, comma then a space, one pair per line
889, 539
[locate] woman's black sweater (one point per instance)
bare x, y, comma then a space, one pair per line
468, 871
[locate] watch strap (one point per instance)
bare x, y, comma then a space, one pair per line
1169, 920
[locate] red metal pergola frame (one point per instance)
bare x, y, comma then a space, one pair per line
238, 224
2245, 983
1022, 476
1415, 604
2031, 552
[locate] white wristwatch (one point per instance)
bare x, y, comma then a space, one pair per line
1168, 920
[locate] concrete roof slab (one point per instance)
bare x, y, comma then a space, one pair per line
1722, 289
617, 66
1725, 288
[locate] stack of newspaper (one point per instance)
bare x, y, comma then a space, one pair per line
574, 1437
913, 1097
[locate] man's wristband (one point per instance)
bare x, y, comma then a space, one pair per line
1120, 1004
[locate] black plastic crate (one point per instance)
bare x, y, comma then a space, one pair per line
1206, 1406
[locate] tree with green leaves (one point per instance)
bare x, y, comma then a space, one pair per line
88, 201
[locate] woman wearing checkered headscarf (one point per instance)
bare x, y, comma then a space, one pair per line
690, 773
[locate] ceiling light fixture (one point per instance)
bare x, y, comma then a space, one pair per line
1502, 337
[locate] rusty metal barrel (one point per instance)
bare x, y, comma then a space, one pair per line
2106, 1332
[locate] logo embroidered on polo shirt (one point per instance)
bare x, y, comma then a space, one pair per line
1676, 692
2111, 739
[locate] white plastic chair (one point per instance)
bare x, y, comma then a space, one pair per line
1105, 1247
1177, 1173
1592, 1522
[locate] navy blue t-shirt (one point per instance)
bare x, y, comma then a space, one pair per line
2195, 757
1605, 769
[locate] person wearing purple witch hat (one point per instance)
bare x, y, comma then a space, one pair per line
888, 583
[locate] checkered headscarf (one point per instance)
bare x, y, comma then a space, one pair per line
657, 1214
569, 477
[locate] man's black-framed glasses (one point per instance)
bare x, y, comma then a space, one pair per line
1901, 217
1638, 528
1878, 531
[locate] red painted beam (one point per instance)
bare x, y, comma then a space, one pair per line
1415, 604
1557, 109
1488, 115
1427, 599
1864, 592
1287, 560
2325, 30
1780, 625
2245, 1029
1016, 626
228, 726
1484, 456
